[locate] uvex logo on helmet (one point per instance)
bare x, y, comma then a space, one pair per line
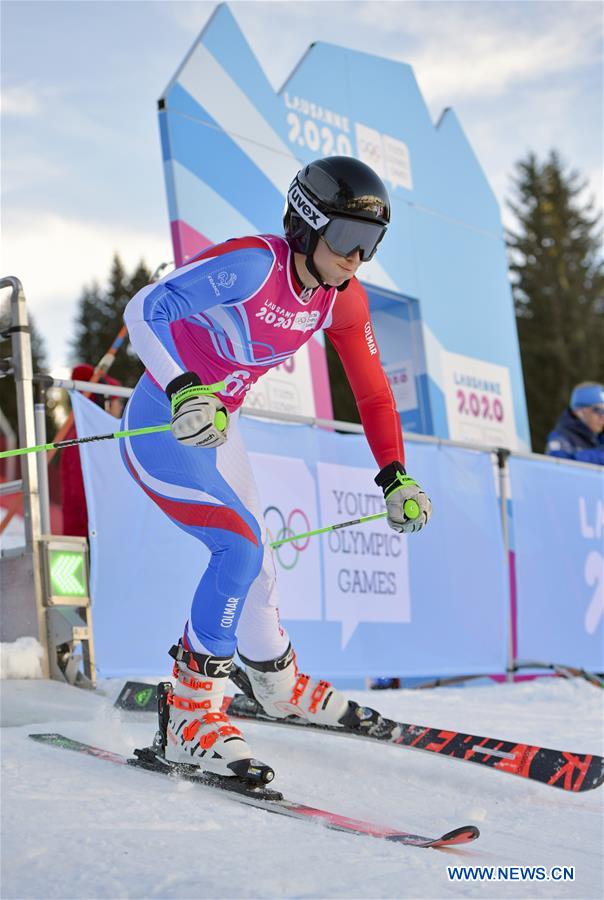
305, 209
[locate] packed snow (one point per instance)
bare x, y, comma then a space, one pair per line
21, 658
78, 827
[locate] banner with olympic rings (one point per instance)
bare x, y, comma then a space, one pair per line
358, 602
366, 566
287, 491
434, 603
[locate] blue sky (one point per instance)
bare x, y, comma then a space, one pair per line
81, 164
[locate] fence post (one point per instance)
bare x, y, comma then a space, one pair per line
42, 458
502, 460
23, 372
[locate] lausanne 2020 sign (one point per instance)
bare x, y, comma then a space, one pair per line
439, 292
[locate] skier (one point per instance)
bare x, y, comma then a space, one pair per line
206, 333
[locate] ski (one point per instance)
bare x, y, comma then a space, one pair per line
574, 772
260, 797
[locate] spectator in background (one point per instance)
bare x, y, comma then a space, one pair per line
383, 684
579, 432
73, 498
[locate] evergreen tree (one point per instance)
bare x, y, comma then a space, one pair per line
558, 286
100, 317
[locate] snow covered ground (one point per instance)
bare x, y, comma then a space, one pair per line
78, 827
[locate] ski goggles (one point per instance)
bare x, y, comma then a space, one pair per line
345, 236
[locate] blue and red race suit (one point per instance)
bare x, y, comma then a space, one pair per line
232, 314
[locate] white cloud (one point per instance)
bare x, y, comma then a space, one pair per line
55, 257
20, 100
27, 169
489, 59
30, 98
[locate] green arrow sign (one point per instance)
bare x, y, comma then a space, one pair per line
67, 578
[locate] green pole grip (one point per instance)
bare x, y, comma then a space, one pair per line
411, 509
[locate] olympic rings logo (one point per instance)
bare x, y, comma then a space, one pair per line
278, 528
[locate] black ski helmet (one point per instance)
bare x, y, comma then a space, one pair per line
340, 199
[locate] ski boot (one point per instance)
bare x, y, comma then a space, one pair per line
193, 730
282, 691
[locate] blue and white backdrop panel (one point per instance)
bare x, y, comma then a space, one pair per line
360, 602
558, 516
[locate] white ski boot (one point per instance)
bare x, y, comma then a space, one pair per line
197, 731
282, 691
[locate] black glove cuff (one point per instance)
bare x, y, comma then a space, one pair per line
187, 379
386, 477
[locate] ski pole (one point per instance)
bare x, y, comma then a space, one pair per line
410, 508
59, 445
99, 370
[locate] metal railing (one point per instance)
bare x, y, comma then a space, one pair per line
32, 430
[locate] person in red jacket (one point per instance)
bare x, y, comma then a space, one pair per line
73, 497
